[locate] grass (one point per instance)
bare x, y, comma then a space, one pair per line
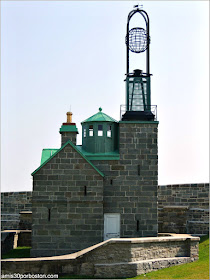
195, 270
19, 252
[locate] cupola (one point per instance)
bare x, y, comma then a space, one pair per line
100, 133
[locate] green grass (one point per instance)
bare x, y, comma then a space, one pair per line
195, 270
19, 252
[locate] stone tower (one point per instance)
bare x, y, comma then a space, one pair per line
138, 137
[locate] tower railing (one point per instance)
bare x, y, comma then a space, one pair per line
151, 108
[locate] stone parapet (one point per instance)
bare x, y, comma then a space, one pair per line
191, 195
123, 257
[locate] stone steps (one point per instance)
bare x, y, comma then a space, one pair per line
131, 269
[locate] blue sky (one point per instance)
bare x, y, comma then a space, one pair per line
72, 53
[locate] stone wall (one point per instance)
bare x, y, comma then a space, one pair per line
67, 208
24, 238
184, 208
130, 184
116, 258
12, 203
181, 208
139, 156
25, 220
66, 136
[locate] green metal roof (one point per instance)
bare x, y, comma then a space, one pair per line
100, 156
56, 152
68, 128
99, 117
46, 154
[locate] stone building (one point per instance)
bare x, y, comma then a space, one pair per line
107, 187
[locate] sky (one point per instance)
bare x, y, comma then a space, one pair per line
62, 55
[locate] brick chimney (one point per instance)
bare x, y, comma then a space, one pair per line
68, 130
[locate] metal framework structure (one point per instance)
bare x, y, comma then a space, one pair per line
138, 83
146, 18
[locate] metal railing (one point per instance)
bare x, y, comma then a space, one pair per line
140, 108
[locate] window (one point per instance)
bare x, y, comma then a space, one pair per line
109, 131
100, 130
84, 132
90, 130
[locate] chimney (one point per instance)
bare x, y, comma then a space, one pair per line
68, 130
69, 117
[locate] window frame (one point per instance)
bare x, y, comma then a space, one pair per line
109, 129
100, 130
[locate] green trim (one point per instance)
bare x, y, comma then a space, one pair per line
103, 157
157, 122
100, 156
77, 150
68, 128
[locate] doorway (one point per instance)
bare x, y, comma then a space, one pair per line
111, 226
